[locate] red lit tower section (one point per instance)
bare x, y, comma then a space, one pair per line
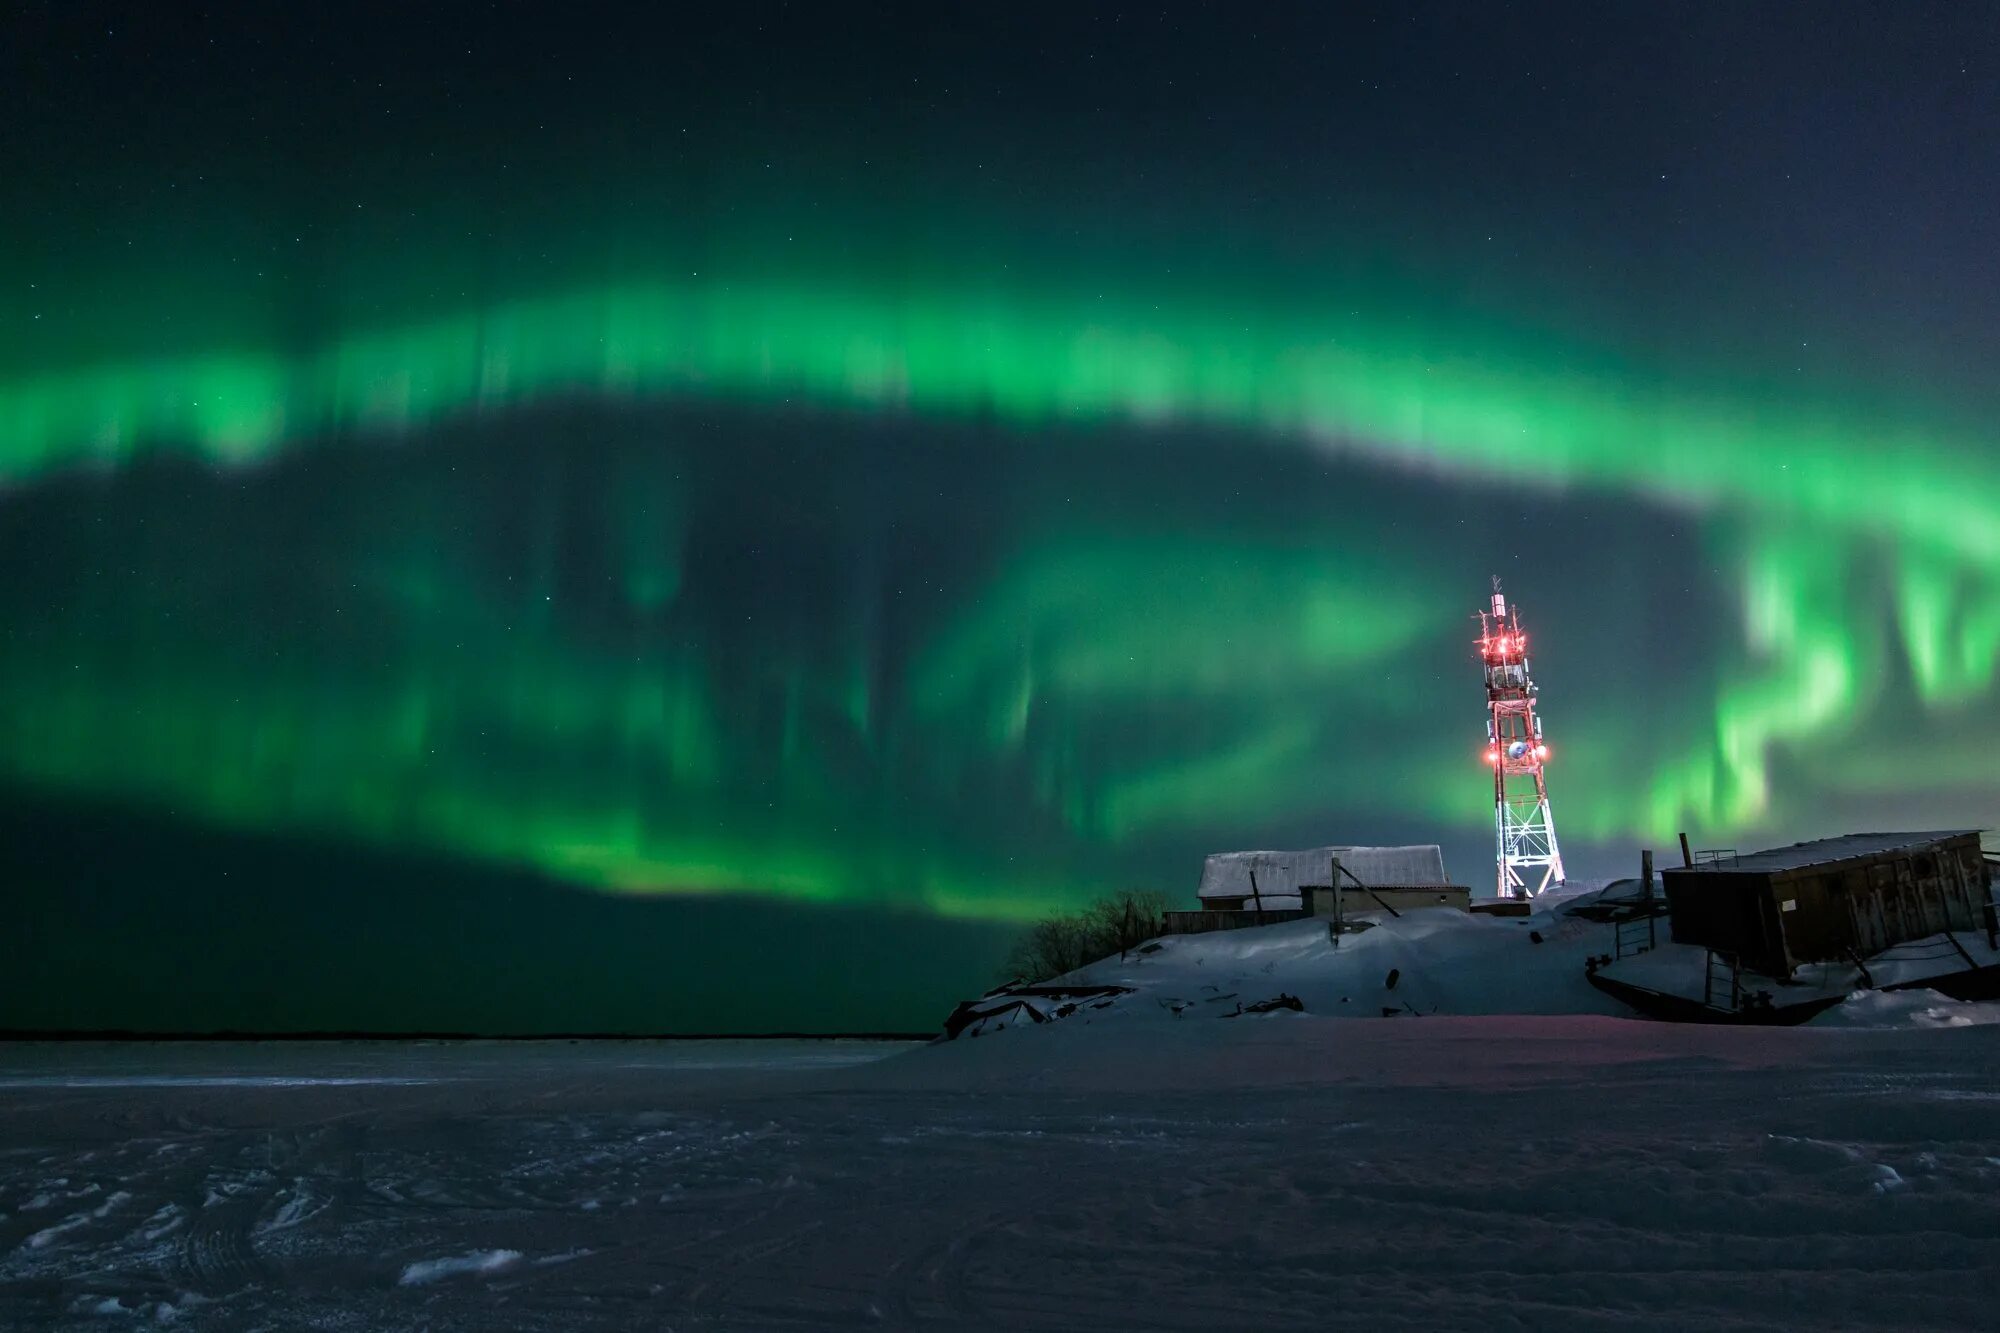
1526, 857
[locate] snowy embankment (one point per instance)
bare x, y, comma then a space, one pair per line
1906, 1009
1427, 962
1678, 969
1432, 961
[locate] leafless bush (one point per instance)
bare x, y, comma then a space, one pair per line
1066, 941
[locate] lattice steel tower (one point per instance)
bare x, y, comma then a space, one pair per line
1526, 858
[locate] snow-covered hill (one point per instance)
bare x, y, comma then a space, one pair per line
1433, 961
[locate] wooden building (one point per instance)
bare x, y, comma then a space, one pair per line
1276, 881
1845, 898
1240, 889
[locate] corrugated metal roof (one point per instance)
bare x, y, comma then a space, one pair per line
1821, 851
1279, 874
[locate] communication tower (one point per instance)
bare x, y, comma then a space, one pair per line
1526, 858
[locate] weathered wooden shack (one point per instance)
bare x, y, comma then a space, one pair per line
1276, 881
1241, 889
1849, 897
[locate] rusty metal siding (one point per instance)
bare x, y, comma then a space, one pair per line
1813, 917
1721, 912
1774, 921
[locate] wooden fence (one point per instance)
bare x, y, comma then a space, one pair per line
1200, 923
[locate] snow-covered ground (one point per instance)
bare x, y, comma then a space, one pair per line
1428, 962
1279, 1171
1437, 961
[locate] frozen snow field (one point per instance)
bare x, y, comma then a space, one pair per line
1285, 1171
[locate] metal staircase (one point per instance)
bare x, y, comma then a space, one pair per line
1722, 986
1634, 934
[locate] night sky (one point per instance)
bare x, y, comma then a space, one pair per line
641, 518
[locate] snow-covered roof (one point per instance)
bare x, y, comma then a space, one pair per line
1279, 874
1818, 852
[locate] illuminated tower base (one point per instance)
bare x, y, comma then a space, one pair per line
1525, 849
1526, 859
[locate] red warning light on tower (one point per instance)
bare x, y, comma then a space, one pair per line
1526, 857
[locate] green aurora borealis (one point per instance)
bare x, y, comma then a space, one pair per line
741, 522
1066, 633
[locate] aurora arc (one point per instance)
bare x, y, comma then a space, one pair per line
1488, 402
1463, 403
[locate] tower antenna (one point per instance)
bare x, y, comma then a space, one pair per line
1525, 855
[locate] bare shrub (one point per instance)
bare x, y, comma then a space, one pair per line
1065, 941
